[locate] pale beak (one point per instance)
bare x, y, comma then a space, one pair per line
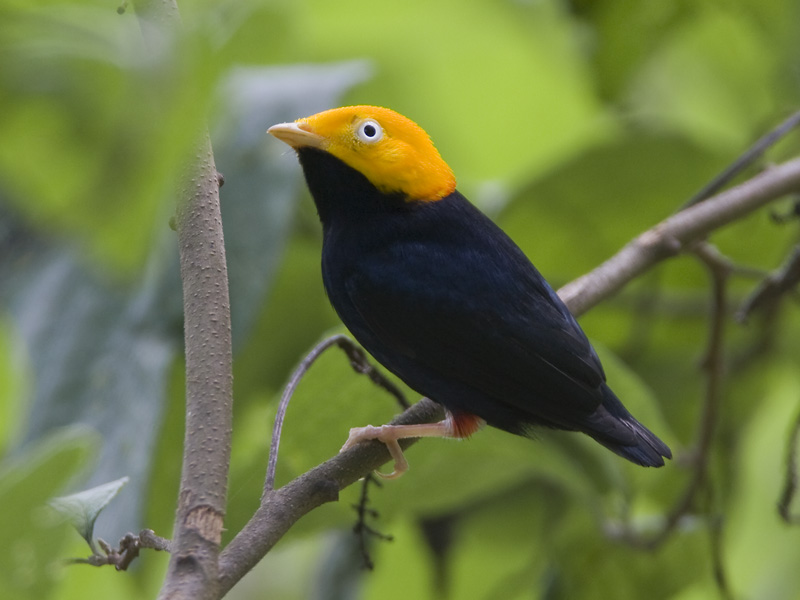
297, 135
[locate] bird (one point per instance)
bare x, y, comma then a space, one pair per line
442, 297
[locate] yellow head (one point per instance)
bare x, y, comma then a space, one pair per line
390, 150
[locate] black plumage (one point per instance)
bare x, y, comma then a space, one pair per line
444, 299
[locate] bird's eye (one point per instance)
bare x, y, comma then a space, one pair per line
369, 131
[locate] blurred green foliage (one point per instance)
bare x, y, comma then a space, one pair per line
575, 124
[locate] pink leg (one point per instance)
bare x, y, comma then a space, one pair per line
459, 426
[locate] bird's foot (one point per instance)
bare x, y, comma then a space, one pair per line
383, 434
390, 436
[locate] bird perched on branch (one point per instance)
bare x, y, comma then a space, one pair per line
442, 297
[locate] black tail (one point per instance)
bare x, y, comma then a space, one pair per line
615, 428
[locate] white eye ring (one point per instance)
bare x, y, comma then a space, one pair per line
369, 131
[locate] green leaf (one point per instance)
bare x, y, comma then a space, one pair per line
27, 481
582, 212
710, 79
82, 508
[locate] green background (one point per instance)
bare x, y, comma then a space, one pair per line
576, 125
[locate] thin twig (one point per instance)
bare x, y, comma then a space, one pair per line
713, 366
360, 364
716, 531
283, 405
719, 271
788, 216
744, 161
774, 287
712, 256
790, 480
361, 529
127, 552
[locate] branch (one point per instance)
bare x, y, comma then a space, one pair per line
197, 531
282, 508
745, 160
209, 385
678, 232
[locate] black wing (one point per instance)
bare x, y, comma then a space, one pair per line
484, 319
